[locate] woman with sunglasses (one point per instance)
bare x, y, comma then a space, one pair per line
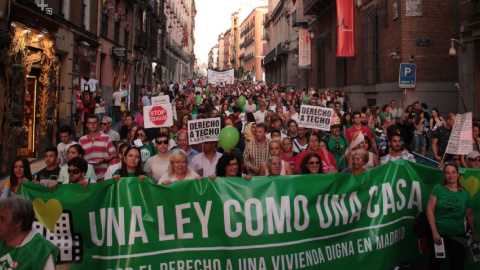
183, 124
147, 150
74, 151
131, 165
358, 158
311, 164
449, 205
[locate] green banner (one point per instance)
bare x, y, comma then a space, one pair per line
292, 222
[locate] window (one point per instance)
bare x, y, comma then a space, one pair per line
321, 64
341, 72
104, 30
116, 33
371, 52
371, 102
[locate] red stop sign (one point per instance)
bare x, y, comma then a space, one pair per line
158, 115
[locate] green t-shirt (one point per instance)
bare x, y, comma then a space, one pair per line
146, 151
450, 210
339, 151
31, 255
383, 116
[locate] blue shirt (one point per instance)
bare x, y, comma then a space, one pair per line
191, 153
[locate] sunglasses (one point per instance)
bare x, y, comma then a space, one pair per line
474, 159
76, 171
104, 124
162, 142
140, 134
314, 163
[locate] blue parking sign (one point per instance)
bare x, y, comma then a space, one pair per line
406, 78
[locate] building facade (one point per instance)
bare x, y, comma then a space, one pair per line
235, 41
227, 64
386, 34
253, 45
281, 61
58, 52
221, 51
213, 57
180, 21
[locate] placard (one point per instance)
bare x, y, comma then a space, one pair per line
161, 100
460, 142
204, 130
158, 116
315, 117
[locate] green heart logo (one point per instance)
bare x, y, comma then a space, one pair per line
47, 213
471, 184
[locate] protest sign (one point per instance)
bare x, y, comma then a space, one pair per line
204, 130
158, 116
460, 142
315, 117
161, 100
221, 77
330, 221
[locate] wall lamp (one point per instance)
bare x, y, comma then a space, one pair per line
453, 51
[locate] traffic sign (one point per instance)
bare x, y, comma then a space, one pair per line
406, 78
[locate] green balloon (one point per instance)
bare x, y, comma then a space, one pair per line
198, 99
207, 91
228, 138
241, 101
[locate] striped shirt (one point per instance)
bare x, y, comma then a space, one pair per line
97, 149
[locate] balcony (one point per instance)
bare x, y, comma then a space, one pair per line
317, 7
269, 57
298, 20
282, 48
246, 43
248, 57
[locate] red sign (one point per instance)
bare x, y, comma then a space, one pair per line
158, 115
345, 29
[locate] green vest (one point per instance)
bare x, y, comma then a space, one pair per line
33, 255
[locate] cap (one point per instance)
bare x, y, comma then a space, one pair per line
473, 154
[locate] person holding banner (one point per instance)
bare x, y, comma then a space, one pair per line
178, 169
228, 166
274, 149
311, 164
131, 165
205, 163
157, 165
449, 205
19, 173
328, 161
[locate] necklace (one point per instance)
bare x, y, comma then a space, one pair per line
14, 264
454, 189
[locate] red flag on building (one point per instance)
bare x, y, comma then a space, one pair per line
345, 29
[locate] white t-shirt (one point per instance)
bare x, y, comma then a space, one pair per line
111, 170
117, 98
250, 108
62, 151
173, 178
114, 136
157, 166
200, 161
260, 116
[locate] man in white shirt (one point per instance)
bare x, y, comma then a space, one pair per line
260, 115
205, 163
106, 123
117, 103
65, 133
250, 107
157, 165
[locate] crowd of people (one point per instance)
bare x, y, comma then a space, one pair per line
271, 142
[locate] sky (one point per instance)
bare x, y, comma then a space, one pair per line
213, 18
